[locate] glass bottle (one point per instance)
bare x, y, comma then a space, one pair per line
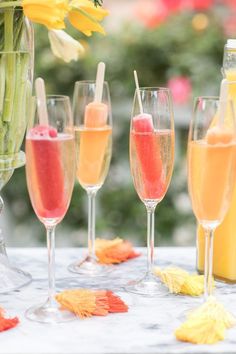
224, 261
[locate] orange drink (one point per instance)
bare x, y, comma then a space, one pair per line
148, 153
94, 154
209, 171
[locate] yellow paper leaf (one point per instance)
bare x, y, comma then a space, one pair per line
201, 330
215, 310
193, 285
172, 277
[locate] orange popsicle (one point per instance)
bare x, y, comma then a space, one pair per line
94, 145
95, 115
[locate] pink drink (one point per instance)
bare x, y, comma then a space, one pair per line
49, 168
151, 155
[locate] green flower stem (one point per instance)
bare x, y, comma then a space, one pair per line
10, 138
98, 2
18, 28
2, 100
2, 134
8, 29
18, 123
10, 64
26, 111
10, 4
2, 82
10, 85
14, 88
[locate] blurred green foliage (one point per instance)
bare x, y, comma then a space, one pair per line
173, 48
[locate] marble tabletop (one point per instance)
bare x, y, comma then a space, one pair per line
147, 328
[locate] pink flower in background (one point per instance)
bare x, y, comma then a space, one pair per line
151, 14
173, 5
230, 25
181, 89
230, 3
201, 4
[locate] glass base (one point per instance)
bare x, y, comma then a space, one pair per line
149, 285
11, 278
49, 312
90, 267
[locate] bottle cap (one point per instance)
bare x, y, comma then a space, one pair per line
231, 43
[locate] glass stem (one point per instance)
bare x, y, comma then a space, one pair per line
150, 238
51, 262
208, 265
91, 223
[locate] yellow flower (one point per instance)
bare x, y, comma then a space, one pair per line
85, 16
50, 13
64, 46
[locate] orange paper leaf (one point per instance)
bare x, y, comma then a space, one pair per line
102, 306
116, 304
82, 302
7, 323
86, 303
114, 251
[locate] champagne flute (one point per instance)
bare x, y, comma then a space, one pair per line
50, 172
211, 169
151, 160
93, 136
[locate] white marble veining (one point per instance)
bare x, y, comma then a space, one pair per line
147, 328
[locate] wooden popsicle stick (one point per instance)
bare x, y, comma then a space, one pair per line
138, 91
41, 101
99, 82
223, 101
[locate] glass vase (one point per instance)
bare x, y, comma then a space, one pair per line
16, 75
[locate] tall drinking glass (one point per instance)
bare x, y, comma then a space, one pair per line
151, 161
93, 136
211, 169
50, 172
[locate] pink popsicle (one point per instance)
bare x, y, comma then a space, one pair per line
149, 156
48, 170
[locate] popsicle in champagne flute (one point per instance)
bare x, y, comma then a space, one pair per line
50, 172
151, 161
93, 131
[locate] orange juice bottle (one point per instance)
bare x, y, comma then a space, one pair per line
224, 259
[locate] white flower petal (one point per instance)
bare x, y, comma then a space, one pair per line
64, 46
